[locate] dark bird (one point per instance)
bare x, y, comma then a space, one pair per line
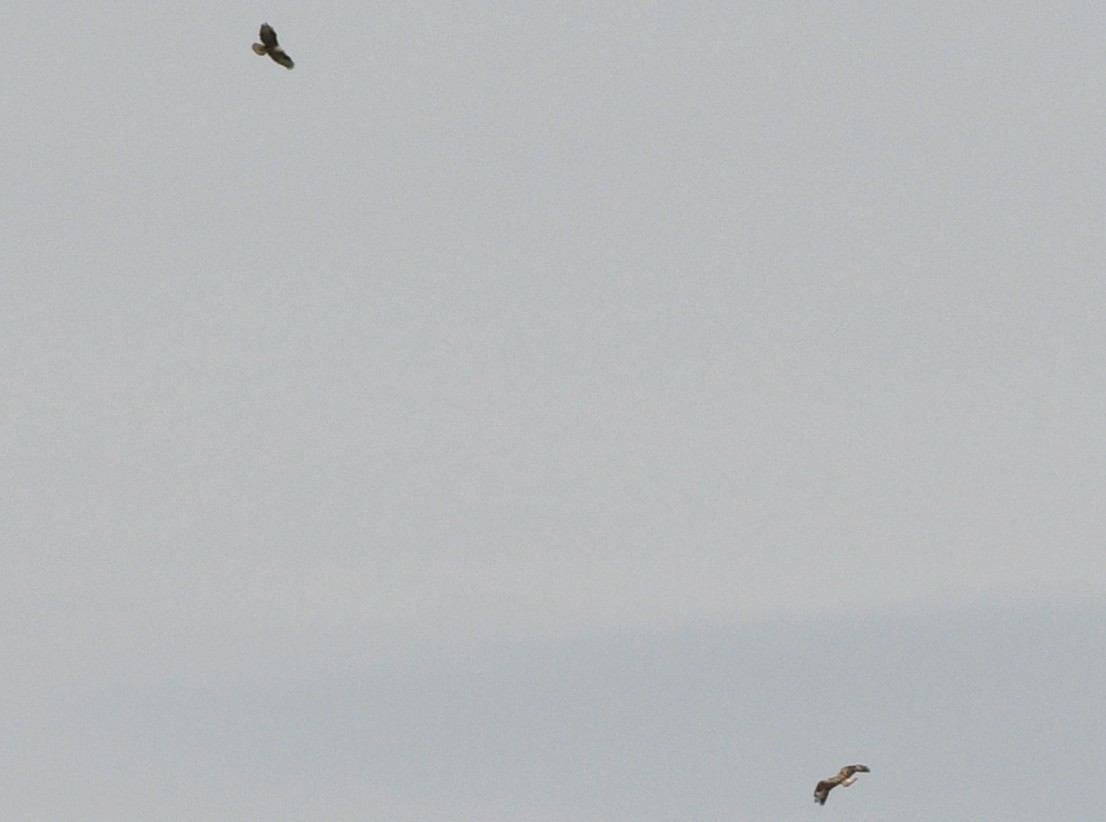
844, 778
270, 46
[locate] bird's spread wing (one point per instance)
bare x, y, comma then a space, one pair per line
821, 791
282, 58
268, 36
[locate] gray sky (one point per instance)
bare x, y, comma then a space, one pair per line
564, 412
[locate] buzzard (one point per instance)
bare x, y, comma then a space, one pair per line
845, 777
270, 46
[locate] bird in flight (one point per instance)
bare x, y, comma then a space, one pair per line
845, 777
270, 46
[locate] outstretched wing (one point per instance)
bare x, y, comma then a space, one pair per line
277, 53
268, 36
822, 789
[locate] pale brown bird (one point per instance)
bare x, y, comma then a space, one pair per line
844, 778
270, 46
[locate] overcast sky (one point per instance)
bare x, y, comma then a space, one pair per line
534, 412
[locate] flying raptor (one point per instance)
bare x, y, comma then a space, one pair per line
270, 46
845, 777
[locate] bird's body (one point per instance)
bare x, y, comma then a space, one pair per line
845, 777
269, 46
